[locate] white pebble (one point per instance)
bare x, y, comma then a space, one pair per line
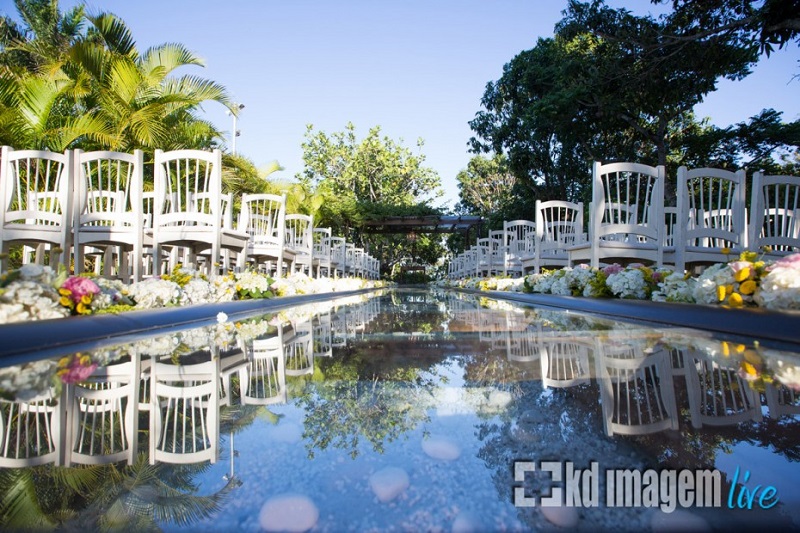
441, 448
288, 512
389, 483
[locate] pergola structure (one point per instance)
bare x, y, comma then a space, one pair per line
425, 224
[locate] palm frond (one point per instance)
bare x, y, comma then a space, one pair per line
168, 56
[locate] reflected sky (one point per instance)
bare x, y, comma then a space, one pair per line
404, 411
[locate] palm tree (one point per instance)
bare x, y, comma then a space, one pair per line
93, 89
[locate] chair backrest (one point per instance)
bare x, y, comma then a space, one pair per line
516, 231
337, 250
711, 208
627, 202
263, 218
299, 233
188, 189
322, 243
558, 224
109, 189
36, 195
775, 214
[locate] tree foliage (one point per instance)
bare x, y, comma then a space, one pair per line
357, 179
610, 85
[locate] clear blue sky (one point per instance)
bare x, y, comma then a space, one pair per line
417, 68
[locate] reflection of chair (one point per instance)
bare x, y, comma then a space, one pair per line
718, 396
299, 354
36, 199
636, 389
262, 218
565, 363
323, 336
108, 208
103, 415
184, 410
626, 220
188, 209
782, 401
711, 216
775, 214
31, 431
263, 380
523, 345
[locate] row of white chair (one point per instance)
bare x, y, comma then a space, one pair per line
628, 221
93, 204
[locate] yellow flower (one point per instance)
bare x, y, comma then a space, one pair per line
82, 309
86, 299
726, 251
64, 292
748, 287
721, 292
65, 301
742, 274
85, 360
740, 348
766, 248
735, 300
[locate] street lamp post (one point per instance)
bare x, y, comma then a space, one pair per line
234, 132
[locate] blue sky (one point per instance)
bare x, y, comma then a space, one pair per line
417, 68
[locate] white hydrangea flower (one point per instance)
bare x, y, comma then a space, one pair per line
629, 283
155, 292
705, 289
675, 288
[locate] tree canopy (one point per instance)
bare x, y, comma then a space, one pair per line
610, 85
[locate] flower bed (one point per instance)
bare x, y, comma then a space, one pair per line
746, 281
34, 292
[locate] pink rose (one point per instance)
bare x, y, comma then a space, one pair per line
80, 286
616, 268
736, 266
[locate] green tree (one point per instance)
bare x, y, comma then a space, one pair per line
373, 169
64, 86
609, 85
485, 186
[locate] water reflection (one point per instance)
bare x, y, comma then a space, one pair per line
362, 377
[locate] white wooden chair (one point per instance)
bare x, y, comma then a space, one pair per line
636, 388
300, 241
775, 215
109, 209
338, 257
321, 253
516, 234
103, 415
718, 396
36, 191
188, 210
262, 217
32, 431
559, 225
498, 245
184, 409
626, 216
710, 216
323, 335
523, 344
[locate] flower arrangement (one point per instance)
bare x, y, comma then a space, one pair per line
746, 281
